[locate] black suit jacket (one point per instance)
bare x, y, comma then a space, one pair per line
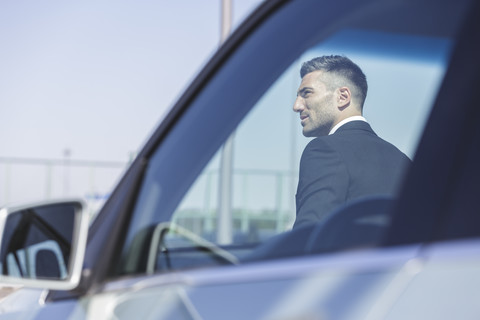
349, 164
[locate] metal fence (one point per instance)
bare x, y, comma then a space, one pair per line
259, 195
32, 179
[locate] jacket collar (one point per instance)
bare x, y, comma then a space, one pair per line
344, 121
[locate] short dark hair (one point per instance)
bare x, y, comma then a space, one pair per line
339, 66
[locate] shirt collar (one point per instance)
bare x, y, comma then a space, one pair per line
349, 119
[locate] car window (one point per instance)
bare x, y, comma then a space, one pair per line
267, 145
225, 180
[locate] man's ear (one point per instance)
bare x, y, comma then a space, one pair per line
344, 97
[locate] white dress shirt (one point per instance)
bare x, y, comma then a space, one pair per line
349, 119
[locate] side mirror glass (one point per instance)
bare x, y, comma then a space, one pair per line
43, 245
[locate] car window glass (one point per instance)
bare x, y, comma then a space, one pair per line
179, 220
267, 146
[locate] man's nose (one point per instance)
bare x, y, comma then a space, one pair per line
298, 105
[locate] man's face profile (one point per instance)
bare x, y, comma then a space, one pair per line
315, 105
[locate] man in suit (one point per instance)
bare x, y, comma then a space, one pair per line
346, 160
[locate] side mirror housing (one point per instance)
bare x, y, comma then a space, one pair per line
43, 245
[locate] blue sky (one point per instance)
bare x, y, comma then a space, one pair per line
95, 77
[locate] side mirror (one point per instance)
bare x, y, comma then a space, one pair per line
43, 245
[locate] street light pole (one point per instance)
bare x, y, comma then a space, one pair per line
226, 19
225, 216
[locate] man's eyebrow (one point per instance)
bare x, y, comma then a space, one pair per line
301, 91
